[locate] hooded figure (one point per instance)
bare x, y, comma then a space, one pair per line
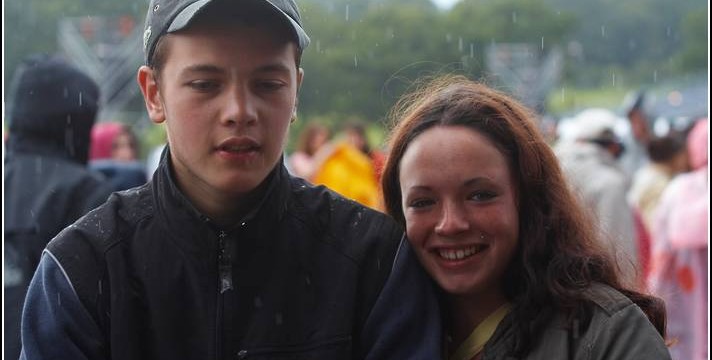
47, 184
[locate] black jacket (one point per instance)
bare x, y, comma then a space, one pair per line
301, 277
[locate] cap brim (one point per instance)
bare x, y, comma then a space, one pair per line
185, 17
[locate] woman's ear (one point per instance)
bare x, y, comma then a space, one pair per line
151, 94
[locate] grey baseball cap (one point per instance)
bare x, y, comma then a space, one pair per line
167, 16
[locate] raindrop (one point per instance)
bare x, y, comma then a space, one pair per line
66, 92
460, 45
448, 38
32, 214
603, 31
669, 31
347, 12
278, 318
258, 302
613, 78
514, 17
359, 215
100, 291
472, 50
59, 300
655, 76
542, 43
318, 46
80, 99
378, 264
307, 279
632, 44
563, 94
355, 61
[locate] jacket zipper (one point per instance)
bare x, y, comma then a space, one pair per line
224, 263
244, 354
224, 284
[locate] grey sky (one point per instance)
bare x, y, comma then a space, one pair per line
445, 4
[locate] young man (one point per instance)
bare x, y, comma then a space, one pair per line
223, 254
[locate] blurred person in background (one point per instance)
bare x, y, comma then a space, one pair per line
679, 268
355, 134
636, 154
588, 155
313, 137
668, 157
114, 153
47, 183
343, 168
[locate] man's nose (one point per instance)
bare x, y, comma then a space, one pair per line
239, 107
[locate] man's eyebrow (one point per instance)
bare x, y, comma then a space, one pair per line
212, 69
276, 67
202, 68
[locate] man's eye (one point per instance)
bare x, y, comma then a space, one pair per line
203, 85
270, 85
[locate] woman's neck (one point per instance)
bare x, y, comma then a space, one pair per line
468, 311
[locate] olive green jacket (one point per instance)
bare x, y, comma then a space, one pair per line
619, 330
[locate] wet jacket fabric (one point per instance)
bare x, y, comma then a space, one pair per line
306, 275
45, 190
618, 330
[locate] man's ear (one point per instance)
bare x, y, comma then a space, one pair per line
151, 94
300, 77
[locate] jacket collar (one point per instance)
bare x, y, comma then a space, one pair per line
185, 220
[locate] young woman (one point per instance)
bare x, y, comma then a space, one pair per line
489, 214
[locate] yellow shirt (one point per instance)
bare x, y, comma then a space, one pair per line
474, 343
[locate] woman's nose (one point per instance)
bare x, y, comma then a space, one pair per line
453, 220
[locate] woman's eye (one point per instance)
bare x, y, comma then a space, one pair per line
482, 195
420, 203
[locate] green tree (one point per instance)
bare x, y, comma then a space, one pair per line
695, 42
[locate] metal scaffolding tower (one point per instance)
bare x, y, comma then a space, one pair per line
525, 71
109, 50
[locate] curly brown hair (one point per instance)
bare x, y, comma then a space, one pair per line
559, 255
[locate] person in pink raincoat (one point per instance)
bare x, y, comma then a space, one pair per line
680, 247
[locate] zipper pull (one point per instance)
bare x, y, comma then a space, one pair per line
224, 263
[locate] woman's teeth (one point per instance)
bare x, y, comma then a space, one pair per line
460, 253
